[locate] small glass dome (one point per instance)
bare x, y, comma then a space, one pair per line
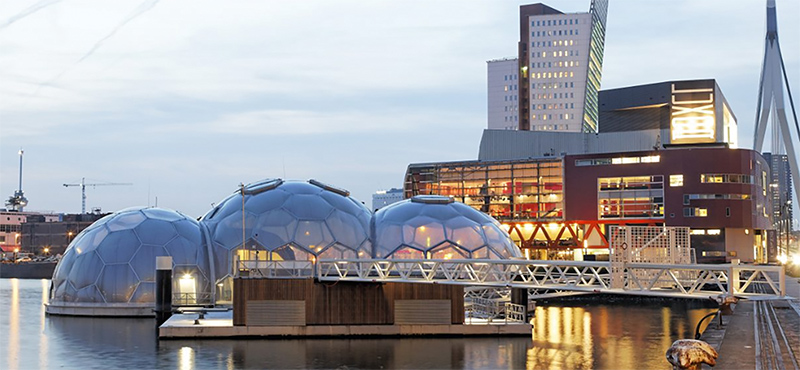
286, 220
113, 260
436, 227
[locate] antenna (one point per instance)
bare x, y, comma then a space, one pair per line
17, 202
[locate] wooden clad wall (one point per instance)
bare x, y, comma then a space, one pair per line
343, 303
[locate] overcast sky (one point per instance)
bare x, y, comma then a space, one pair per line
187, 99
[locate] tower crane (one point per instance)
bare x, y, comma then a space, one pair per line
83, 186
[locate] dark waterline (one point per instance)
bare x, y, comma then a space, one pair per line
578, 336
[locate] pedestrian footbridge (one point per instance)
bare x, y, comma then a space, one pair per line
545, 278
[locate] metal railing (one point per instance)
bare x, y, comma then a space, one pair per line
684, 280
492, 310
275, 269
191, 299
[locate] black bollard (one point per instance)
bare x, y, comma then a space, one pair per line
163, 308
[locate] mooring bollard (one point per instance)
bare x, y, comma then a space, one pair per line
163, 292
725, 301
690, 354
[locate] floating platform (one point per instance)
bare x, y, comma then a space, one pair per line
220, 325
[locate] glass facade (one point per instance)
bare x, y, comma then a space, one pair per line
599, 9
631, 197
113, 260
436, 227
508, 190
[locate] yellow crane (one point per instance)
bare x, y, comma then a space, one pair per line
83, 186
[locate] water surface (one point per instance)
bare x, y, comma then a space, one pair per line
580, 336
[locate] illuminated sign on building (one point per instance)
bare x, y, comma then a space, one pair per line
692, 116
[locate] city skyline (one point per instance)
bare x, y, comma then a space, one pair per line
188, 104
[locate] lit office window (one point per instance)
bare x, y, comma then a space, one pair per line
675, 180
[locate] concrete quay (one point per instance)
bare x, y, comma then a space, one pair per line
759, 334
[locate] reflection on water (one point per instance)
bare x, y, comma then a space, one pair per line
580, 336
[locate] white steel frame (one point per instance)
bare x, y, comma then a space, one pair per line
684, 280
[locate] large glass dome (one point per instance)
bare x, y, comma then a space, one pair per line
436, 227
286, 220
112, 262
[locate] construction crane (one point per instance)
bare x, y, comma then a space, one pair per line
83, 186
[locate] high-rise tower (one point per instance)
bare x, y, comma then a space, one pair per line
557, 71
771, 103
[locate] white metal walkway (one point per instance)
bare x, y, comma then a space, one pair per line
660, 280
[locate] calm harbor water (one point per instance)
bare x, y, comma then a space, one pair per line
583, 336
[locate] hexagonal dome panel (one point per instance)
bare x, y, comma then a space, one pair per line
113, 260
438, 228
292, 219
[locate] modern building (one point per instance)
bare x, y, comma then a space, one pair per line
559, 66
553, 205
51, 234
634, 118
383, 198
781, 194
557, 191
503, 94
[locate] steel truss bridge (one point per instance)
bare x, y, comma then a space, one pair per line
544, 278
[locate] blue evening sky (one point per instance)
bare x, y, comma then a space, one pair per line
186, 99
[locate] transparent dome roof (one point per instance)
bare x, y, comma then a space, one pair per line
436, 227
288, 220
113, 260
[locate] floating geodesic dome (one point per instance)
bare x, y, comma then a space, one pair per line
436, 227
286, 221
109, 268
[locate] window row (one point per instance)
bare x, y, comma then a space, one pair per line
560, 64
618, 160
726, 178
509, 77
552, 75
510, 98
570, 95
545, 117
554, 53
562, 32
551, 127
553, 106
552, 85
689, 197
552, 22
695, 212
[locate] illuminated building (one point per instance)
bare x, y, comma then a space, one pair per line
632, 118
555, 205
553, 83
109, 268
665, 154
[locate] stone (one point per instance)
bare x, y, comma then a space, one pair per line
690, 354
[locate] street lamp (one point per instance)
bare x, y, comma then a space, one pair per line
16, 250
46, 250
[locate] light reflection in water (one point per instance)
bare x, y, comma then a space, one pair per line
186, 358
13, 331
574, 336
42, 335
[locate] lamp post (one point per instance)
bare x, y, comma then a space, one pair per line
16, 250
